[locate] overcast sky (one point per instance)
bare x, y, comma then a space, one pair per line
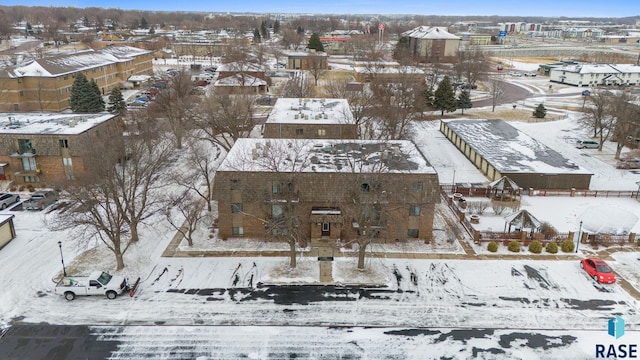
554, 8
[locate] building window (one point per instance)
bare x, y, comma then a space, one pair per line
322, 132
414, 210
299, 131
19, 81
275, 187
236, 208
66, 162
365, 187
31, 179
64, 143
276, 211
413, 233
21, 93
66, 77
25, 146
235, 184
29, 164
417, 186
237, 230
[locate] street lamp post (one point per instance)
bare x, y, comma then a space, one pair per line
579, 236
64, 270
638, 192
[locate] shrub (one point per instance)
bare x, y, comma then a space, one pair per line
514, 246
567, 246
548, 230
13, 188
552, 247
535, 247
493, 246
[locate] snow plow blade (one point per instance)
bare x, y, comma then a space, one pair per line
132, 289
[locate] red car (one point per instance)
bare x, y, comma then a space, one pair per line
598, 270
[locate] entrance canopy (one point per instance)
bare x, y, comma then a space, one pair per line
326, 215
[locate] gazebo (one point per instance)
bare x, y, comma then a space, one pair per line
504, 188
523, 220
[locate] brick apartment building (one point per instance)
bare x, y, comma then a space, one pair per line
297, 118
45, 84
328, 190
433, 44
46, 149
307, 60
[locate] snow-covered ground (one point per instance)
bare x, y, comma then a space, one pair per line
401, 307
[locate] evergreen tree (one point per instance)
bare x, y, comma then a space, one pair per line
85, 96
116, 102
464, 100
264, 31
427, 95
97, 102
315, 43
299, 30
444, 98
143, 23
540, 112
152, 31
402, 48
276, 26
256, 36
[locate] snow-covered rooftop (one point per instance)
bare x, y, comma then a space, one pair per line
428, 32
50, 123
69, 63
508, 149
600, 68
311, 111
313, 155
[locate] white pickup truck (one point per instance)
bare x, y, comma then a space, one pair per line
98, 283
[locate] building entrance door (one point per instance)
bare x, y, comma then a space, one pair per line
326, 230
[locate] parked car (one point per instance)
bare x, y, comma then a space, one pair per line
211, 69
587, 144
40, 200
628, 164
586, 93
515, 73
200, 83
530, 74
598, 270
7, 199
500, 68
468, 86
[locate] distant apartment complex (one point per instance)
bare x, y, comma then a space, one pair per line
45, 84
433, 44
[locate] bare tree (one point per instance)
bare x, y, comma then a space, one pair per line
316, 66
198, 178
471, 65
120, 189
398, 102
175, 105
226, 118
190, 213
291, 39
598, 116
627, 121
360, 99
496, 91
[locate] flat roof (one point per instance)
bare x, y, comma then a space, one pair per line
50, 123
509, 150
310, 111
315, 155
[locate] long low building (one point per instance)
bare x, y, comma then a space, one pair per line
596, 74
499, 149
